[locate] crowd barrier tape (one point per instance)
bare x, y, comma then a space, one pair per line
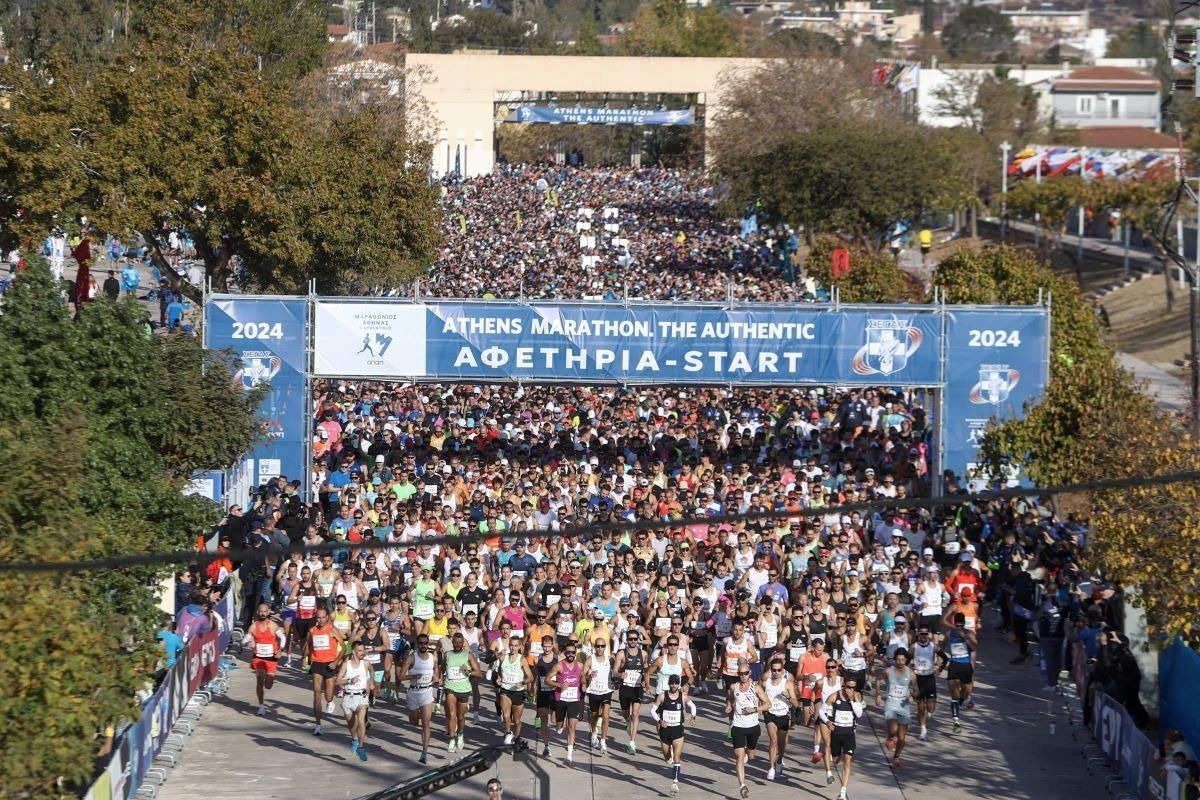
140, 743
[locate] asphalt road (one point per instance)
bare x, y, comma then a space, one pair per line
1005, 750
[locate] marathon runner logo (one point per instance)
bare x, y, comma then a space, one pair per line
996, 382
258, 366
890, 343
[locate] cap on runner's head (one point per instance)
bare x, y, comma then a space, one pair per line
971, 548
900, 618
966, 558
928, 551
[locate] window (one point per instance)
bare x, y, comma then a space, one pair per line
1114, 108
1084, 106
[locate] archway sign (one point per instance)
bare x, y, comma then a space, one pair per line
980, 362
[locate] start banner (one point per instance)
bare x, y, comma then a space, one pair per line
606, 343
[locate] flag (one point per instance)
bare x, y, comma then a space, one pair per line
909, 79
462, 223
82, 253
458, 161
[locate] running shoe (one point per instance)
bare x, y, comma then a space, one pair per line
631, 748
424, 758
744, 791
674, 788
354, 745
923, 735
362, 753
316, 730
771, 774
450, 745
828, 778
546, 751
779, 769
603, 747
595, 740
262, 710
508, 738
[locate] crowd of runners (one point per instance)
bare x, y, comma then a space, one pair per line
462, 578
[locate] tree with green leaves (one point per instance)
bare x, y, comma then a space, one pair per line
857, 180
131, 418
256, 176
874, 277
979, 32
670, 28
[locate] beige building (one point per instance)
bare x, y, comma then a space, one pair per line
465, 91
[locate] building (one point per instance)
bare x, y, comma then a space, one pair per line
464, 92
1062, 24
1105, 96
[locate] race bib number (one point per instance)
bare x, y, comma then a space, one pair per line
699, 625
632, 677
969, 623
952, 548
455, 674
897, 692
796, 652
724, 629
810, 680
843, 719
342, 624
320, 641
747, 711
733, 662
662, 623
374, 658
855, 663
535, 648
423, 608
569, 694
959, 650
672, 717
779, 707
923, 666
552, 599
769, 638
264, 650
308, 602
565, 628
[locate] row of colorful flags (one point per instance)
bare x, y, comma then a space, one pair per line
896, 75
1058, 161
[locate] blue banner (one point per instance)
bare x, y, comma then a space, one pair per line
995, 364
580, 115
270, 335
589, 343
1178, 701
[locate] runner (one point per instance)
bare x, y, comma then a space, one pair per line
547, 697
460, 665
744, 704
926, 667
598, 670
839, 715
516, 680
397, 625
268, 638
423, 671
780, 690
900, 688
356, 679
668, 714
960, 669
811, 676
304, 597
323, 649
671, 662
287, 581
631, 666
566, 678
378, 645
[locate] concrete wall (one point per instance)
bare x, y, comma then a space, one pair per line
462, 90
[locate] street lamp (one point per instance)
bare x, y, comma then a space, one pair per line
1005, 147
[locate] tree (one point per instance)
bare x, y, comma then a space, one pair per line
247, 178
1094, 422
587, 40
1142, 39
132, 417
979, 32
802, 43
766, 104
670, 28
83, 31
855, 179
874, 277
489, 30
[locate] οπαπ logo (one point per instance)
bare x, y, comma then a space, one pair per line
890, 343
996, 382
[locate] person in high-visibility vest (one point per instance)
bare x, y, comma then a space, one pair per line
926, 239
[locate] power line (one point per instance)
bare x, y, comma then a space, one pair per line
878, 504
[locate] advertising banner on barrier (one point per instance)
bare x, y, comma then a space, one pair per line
1130, 752
898, 346
203, 660
995, 364
270, 335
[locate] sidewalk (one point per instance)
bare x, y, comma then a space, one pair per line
1172, 393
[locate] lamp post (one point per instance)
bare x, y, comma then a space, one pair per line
1005, 147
